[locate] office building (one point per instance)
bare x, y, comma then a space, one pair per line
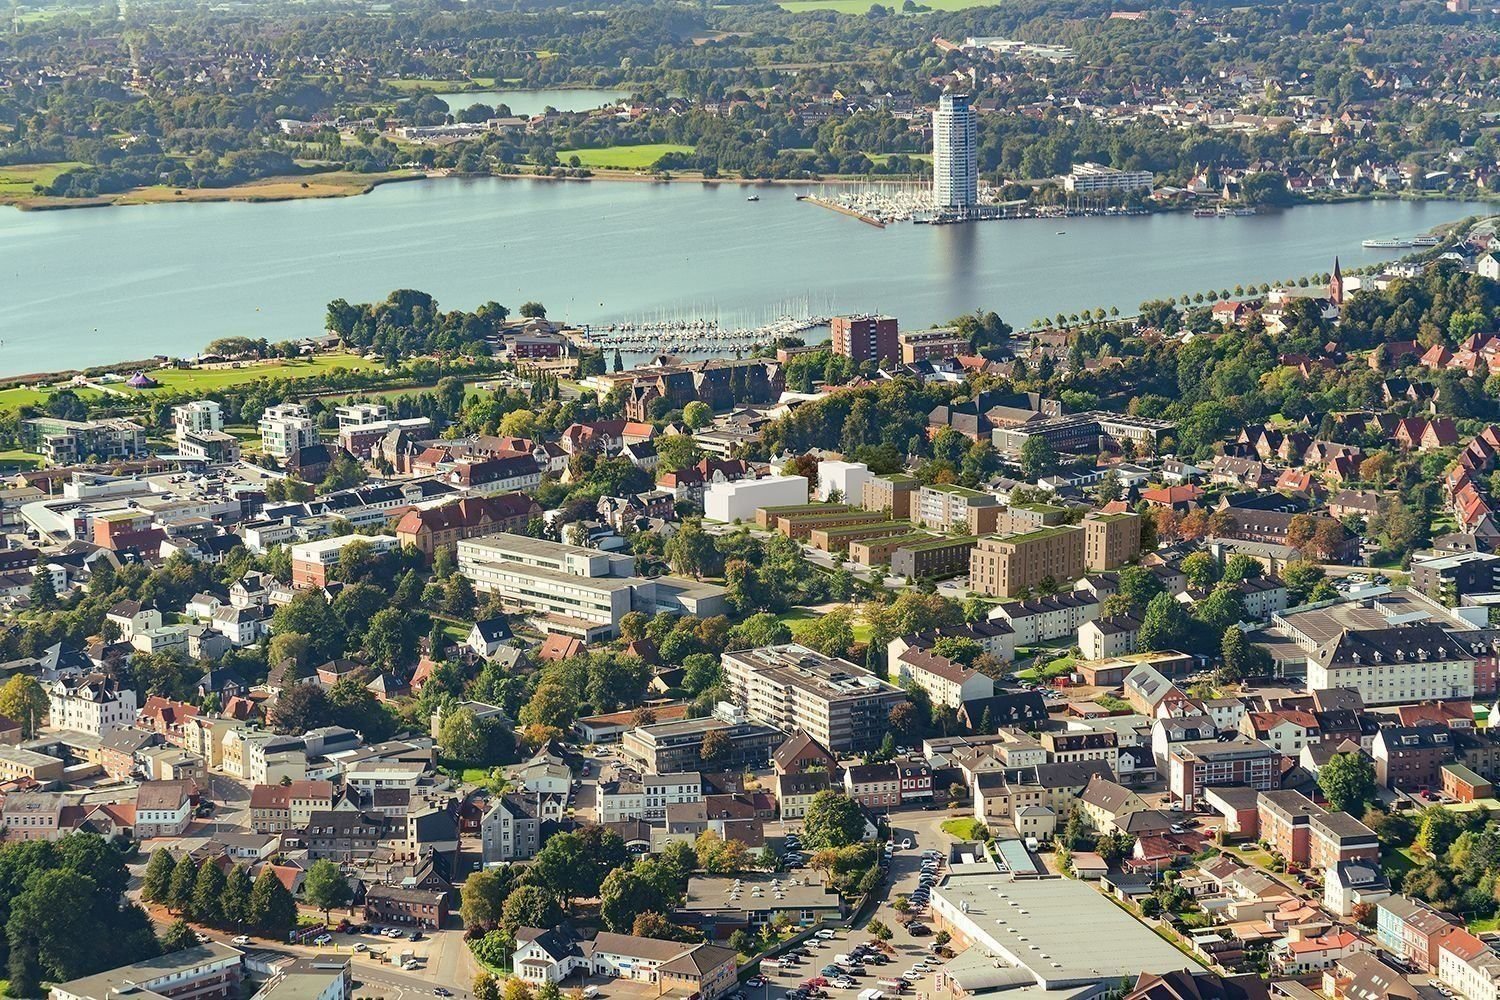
1404, 664
204, 972
577, 591
955, 147
285, 428
1010, 566
792, 687
865, 338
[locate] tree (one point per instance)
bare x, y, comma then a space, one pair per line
1201, 570
326, 888
486, 987
1165, 624
1114, 847
462, 737
236, 904
208, 895
178, 936
1348, 780
481, 898
43, 591
23, 701
627, 893
532, 310
516, 989
697, 415
878, 930
158, 878
528, 906
714, 748
1037, 457
832, 820
180, 887
1437, 831
271, 910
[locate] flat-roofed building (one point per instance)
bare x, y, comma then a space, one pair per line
1110, 540
892, 493
931, 345
677, 745
1007, 567
944, 506
880, 550
792, 687
20, 764
1199, 764
313, 561
990, 913
933, 559
203, 972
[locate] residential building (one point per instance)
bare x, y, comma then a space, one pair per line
932, 345
893, 493
163, 808
1194, 766
404, 906
21, 765
955, 148
1407, 663
1413, 931
69, 442
1469, 966
1109, 637
90, 703
795, 688
932, 558
434, 528
1040, 619
285, 429
1409, 758
865, 338
1110, 540
313, 562
677, 744
277, 808
948, 684
1092, 178
946, 507
511, 828
1019, 564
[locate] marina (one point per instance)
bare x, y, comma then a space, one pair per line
602, 253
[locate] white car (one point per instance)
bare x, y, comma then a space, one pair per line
361, 946
843, 983
242, 939
906, 844
911, 976
826, 935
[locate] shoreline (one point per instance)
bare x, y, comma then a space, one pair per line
339, 184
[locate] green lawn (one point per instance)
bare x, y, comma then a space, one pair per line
879, 158
861, 6
14, 459
206, 380
797, 619
1056, 668
966, 828
16, 181
415, 85
638, 157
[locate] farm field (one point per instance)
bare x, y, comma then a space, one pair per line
639, 157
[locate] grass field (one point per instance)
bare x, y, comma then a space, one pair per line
879, 158
639, 157
206, 380
966, 828
417, 85
862, 6
17, 181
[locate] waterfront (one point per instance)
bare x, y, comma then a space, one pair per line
534, 102
80, 288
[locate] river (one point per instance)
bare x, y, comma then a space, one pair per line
101, 285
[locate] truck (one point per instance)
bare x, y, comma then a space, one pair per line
871, 995
891, 985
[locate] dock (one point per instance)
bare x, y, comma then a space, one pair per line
853, 213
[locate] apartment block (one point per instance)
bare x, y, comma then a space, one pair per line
932, 345
945, 507
1110, 540
1409, 663
285, 428
893, 493
313, 562
865, 338
68, 442
933, 559
792, 687
1005, 567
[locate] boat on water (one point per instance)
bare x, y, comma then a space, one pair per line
1426, 241
1387, 244
1205, 213
753, 197
1062, 232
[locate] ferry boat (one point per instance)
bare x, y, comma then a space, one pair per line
753, 197
1205, 213
1387, 244
1426, 241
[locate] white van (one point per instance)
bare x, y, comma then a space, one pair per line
591, 992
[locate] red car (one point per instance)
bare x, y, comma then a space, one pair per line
814, 981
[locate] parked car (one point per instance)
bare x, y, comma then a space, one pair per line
825, 934
323, 939
755, 982
918, 930
241, 939
439, 991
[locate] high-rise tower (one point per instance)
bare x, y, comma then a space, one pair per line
955, 171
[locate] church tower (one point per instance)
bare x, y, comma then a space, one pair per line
1336, 285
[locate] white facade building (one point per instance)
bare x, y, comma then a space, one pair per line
739, 501
202, 416
286, 427
848, 478
90, 704
955, 170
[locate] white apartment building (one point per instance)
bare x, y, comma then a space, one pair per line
359, 414
202, 416
1400, 665
1469, 966
947, 683
739, 501
792, 687
847, 478
89, 704
955, 149
662, 790
1087, 177
368, 775
284, 428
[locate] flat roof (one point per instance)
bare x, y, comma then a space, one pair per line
943, 542
748, 891
1034, 924
1398, 607
122, 979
